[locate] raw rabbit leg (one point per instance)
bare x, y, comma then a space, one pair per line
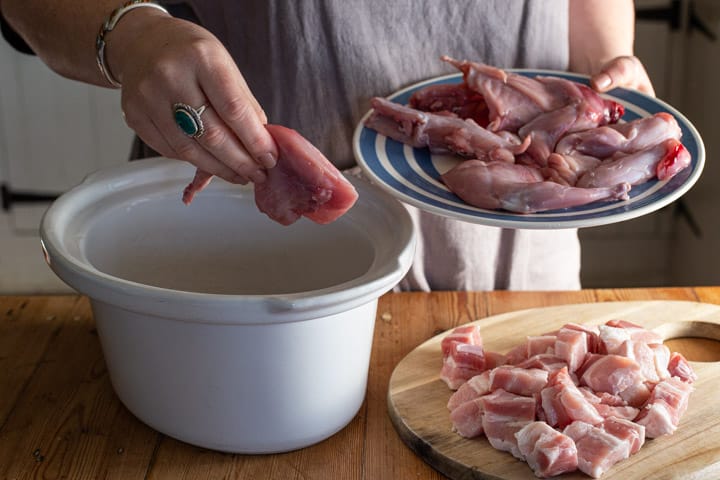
513, 187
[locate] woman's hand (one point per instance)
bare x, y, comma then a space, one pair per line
161, 61
625, 71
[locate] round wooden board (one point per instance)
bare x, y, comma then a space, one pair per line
417, 398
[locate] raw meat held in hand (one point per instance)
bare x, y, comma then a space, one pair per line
302, 183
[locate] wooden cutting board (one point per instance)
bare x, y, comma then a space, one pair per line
417, 398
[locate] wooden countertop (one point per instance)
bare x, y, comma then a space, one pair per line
59, 417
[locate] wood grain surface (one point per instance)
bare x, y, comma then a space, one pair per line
417, 398
60, 419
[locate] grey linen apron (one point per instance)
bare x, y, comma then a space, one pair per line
314, 65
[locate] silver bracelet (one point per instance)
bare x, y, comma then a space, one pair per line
108, 26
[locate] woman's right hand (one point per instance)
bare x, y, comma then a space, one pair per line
161, 61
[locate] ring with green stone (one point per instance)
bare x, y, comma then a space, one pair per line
188, 119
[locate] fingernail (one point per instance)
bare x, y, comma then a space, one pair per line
603, 80
268, 160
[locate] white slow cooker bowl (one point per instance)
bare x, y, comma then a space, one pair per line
220, 327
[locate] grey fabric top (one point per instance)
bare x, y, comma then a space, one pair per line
315, 64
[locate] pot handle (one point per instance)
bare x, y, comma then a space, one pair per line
388, 276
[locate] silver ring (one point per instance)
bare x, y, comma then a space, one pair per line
188, 119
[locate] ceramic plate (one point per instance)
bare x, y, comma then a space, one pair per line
412, 175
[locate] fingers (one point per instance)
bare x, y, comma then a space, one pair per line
625, 71
227, 91
180, 147
217, 142
195, 69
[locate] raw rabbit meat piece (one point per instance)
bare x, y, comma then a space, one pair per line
302, 183
442, 133
661, 161
518, 188
628, 137
513, 100
455, 98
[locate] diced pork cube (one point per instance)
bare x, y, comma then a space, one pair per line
637, 394
612, 374
544, 361
662, 360
463, 362
517, 354
504, 415
563, 403
475, 387
667, 403
467, 419
469, 334
494, 359
603, 398
572, 346
468, 356
643, 355
608, 411
453, 375
611, 338
540, 344
597, 449
592, 333
518, 380
547, 451
637, 332
626, 430
679, 367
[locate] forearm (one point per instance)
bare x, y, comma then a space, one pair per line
600, 30
63, 32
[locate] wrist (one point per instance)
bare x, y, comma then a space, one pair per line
126, 30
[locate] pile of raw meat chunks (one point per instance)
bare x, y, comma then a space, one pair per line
532, 144
579, 398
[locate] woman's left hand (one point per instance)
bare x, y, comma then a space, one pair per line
626, 71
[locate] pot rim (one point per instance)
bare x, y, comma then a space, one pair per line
213, 308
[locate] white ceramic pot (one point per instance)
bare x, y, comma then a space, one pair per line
220, 327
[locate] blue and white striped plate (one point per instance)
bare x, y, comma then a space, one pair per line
412, 175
